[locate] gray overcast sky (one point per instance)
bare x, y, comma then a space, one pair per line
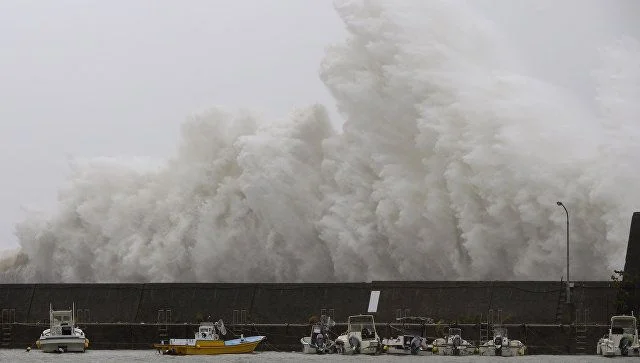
117, 78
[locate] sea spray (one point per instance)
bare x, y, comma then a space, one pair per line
448, 166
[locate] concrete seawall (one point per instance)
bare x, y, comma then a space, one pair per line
519, 302
136, 315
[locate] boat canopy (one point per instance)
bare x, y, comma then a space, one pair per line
359, 322
623, 325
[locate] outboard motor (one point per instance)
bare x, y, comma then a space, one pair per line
625, 344
416, 342
497, 345
456, 343
320, 335
318, 339
320, 343
355, 344
406, 341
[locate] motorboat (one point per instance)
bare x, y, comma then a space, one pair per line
318, 341
501, 345
361, 336
410, 342
622, 339
407, 344
452, 344
207, 341
63, 335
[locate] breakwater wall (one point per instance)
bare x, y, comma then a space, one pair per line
136, 315
464, 301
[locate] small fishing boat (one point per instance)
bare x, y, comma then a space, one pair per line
407, 344
453, 344
207, 342
411, 341
63, 335
500, 345
319, 342
622, 339
361, 336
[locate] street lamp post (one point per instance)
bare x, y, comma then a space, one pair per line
568, 280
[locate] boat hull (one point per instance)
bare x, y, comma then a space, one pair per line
212, 347
407, 345
62, 344
608, 348
504, 352
453, 350
402, 351
308, 348
367, 346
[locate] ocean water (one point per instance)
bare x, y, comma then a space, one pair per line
94, 356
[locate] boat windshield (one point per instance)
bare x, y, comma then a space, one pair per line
61, 319
500, 332
357, 323
623, 325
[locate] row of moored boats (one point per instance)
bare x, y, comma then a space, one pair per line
64, 336
360, 337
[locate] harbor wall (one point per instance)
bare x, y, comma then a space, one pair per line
540, 302
134, 316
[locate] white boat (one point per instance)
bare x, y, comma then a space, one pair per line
622, 339
62, 335
453, 344
319, 342
361, 336
407, 345
410, 342
501, 345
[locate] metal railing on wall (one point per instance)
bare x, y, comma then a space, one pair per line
8, 316
164, 318
239, 316
328, 312
7, 319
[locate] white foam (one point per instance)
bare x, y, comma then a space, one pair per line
448, 166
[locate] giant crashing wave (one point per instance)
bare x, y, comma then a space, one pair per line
448, 167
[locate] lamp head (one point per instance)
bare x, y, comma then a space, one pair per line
559, 203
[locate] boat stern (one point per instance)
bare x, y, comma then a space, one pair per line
306, 346
370, 347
